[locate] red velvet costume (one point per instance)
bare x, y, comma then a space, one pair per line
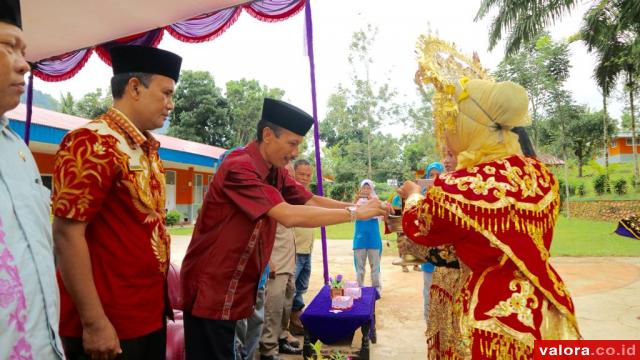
499, 216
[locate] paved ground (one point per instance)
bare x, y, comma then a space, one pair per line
606, 292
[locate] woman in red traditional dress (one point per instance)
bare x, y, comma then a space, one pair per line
498, 210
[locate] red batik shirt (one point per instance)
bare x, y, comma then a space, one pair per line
109, 175
233, 237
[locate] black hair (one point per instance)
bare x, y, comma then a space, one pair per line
277, 130
525, 141
300, 162
119, 82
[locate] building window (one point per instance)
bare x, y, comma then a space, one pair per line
170, 177
197, 189
628, 141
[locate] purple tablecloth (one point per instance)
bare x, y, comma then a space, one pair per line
330, 327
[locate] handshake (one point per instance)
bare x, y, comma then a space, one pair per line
370, 209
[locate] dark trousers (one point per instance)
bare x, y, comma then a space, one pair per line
152, 346
207, 339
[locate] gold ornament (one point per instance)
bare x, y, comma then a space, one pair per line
441, 65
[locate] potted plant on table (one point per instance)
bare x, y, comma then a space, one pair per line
337, 286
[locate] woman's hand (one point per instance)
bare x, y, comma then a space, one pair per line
409, 188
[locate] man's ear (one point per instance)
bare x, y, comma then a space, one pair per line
133, 88
267, 134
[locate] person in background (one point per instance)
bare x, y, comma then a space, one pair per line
433, 170
279, 292
367, 242
29, 296
304, 238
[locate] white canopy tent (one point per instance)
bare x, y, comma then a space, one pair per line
56, 27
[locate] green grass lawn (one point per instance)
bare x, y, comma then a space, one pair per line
186, 230
578, 237
572, 237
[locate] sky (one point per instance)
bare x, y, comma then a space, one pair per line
274, 53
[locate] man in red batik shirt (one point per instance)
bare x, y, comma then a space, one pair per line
109, 196
234, 235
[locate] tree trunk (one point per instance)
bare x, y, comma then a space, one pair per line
534, 123
369, 171
605, 133
634, 148
566, 168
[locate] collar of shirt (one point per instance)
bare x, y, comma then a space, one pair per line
134, 135
4, 122
262, 167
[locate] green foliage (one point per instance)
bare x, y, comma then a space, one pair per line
201, 112
601, 185
245, 106
335, 355
584, 134
173, 218
581, 190
522, 20
67, 104
41, 99
355, 148
343, 191
620, 187
541, 67
90, 106
93, 104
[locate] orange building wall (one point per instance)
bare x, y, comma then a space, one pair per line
45, 162
184, 191
621, 147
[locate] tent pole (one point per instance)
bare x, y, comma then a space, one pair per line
316, 129
27, 125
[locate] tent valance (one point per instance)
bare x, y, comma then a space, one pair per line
201, 28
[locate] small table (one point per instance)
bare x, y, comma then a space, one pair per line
329, 327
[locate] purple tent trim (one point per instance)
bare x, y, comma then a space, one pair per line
316, 129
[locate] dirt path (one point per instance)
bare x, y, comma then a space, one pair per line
605, 292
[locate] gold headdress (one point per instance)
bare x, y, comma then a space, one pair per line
442, 65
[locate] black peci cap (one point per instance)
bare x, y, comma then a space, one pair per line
10, 12
287, 116
145, 59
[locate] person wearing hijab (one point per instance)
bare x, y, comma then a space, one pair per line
498, 210
367, 242
431, 172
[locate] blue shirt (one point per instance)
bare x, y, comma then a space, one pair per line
367, 235
427, 267
29, 295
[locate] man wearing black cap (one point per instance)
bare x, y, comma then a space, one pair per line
111, 243
234, 234
29, 302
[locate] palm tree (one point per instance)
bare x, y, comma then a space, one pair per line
523, 20
614, 37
